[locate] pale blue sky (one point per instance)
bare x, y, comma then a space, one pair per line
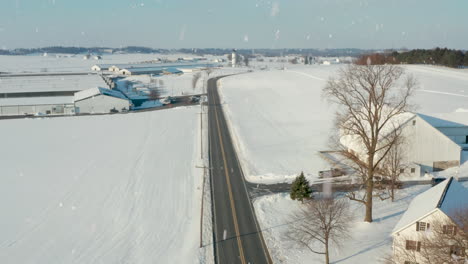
364, 24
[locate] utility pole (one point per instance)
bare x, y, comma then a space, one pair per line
201, 131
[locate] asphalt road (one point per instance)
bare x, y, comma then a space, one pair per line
237, 236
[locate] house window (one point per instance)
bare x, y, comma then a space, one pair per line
422, 226
414, 122
466, 140
413, 170
402, 170
449, 230
457, 251
413, 245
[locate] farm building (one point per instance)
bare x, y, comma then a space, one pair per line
100, 100
141, 71
52, 105
180, 66
101, 67
432, 144
435, 218
48, 82
119, 67
172, 71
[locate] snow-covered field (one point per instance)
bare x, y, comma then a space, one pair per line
280, 121
369, 243
101, 189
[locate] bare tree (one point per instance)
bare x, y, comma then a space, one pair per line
155, 94
246, 60
208, 71
195, 79
444, 241
320, 223
369, 98
392, 167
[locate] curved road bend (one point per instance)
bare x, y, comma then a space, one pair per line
237, 236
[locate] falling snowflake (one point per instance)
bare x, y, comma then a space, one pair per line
275, 9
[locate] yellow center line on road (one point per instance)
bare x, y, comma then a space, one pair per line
233, 209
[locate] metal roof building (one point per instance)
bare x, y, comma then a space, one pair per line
138, 71
100, 100
101, 67
49, 82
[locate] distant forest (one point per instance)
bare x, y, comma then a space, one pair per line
437, 56
203, 51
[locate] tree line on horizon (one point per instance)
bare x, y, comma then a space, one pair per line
438, 56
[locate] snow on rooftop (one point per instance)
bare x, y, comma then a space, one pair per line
50, 83
447, 195
354, 142
81, 95
86, 93
36, 100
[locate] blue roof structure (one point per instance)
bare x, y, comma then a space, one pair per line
113, 93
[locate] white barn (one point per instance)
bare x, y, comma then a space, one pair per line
100, 100
50, 105
429, 148
101, 67
435, 210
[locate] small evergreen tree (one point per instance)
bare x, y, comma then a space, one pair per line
300, 188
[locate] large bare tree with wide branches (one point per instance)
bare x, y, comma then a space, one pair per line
370, 98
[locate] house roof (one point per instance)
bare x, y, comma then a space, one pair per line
144, 70
455, 119
103, 66
447, 196
173, 70
49, 82
81, 95
46, 100
162, 65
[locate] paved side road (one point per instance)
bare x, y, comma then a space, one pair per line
237, 236
257, 190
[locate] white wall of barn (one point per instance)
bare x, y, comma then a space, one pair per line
427, 145
101, 104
